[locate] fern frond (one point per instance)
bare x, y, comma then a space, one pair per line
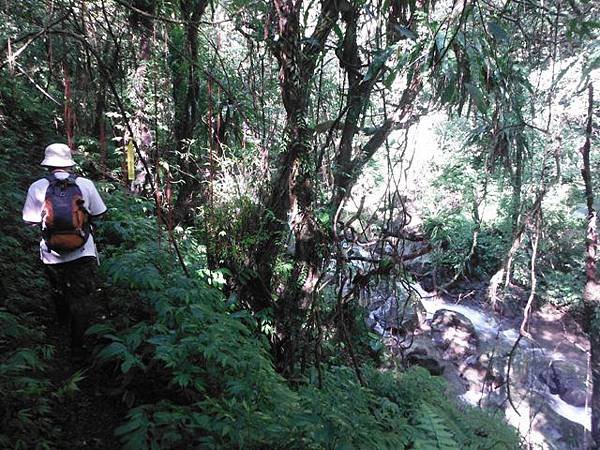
433, 433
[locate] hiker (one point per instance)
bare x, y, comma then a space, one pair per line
64, 204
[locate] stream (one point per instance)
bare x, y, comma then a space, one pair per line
546, 370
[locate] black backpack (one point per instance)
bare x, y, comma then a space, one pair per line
65, 221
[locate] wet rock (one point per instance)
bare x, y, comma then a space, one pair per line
481, 373
475, 375
454, 333
419, 357
544, 427
550, 378
567, 380
471, 360
394, 312
576, 397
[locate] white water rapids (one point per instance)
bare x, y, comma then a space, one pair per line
490, 329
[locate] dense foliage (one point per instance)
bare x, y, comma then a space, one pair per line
265, 164
197, 370
192, 366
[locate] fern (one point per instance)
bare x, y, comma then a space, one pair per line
433, 434
70, 386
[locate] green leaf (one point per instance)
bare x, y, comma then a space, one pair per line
116, 349
129, 362
100, 328
477, 96
389, 81
338, 32
379, 61
127, 428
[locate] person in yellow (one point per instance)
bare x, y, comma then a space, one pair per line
64, 205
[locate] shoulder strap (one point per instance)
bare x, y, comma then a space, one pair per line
52, 178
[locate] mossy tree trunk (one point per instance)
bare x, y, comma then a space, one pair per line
292, 197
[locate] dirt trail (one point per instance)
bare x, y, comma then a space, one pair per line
86, 419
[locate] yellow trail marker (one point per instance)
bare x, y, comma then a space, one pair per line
130, 162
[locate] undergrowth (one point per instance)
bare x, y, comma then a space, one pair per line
26, 393
196, 370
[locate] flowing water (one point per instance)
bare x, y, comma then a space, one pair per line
489, 328
545, 418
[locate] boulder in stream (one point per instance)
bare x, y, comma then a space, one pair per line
454, 333
420, 357
393, 311
566, 379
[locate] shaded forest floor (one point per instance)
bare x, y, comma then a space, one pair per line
83, 414
88, 416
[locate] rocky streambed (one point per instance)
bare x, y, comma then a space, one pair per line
541, 385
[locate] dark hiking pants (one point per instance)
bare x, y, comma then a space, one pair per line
73, 284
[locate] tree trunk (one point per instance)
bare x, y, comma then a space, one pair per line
293, 191
591, 293
297, 63
186, 106
360, 88
290, 198
141, 124
517, 184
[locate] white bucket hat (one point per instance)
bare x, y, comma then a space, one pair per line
58, 155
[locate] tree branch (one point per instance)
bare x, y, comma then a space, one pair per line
31, 37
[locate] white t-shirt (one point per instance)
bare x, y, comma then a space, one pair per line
32, 212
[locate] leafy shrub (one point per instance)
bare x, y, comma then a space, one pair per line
561, 256
451, 237
25, 413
